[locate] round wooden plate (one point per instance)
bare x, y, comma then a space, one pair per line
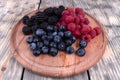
63, 64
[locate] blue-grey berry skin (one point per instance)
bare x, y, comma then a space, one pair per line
40, 32
45, 49
83, 43
57, 39
61, 46
69, 49
33, 46
46, 42
73, 39
36, 52
54, 33
39, 44
61, 34
80, 52
67, 34
29, 40
53, 51
62, 28
68, 42
53, 44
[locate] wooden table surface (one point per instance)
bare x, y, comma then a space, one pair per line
106, 11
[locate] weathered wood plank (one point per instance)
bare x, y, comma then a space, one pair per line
33, 76
108, 67
11, 12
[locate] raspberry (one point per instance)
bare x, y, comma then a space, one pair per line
65, 12
85, 29
77, 20
63, 23
86, 21
69, 19
71, 10
79, 11
92, 33
98, 30
78, 27
63, 17
77, 33
58, 24
81, 18
86, 37
71, 26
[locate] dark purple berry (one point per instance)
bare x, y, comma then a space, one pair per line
53, 51
83, 43
80, 52
33, 46
70, 49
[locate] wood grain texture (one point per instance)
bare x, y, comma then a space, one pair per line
47, 3
108, 67
63, 64
11, 12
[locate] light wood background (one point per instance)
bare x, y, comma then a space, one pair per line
106, 11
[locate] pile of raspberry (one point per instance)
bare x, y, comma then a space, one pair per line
56, 29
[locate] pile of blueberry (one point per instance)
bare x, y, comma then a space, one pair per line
56, 29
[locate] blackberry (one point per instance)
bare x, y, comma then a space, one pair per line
25, 19
49, 11
43, 25
52, 20
27, 30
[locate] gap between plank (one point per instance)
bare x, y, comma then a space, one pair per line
88, 75
22, 74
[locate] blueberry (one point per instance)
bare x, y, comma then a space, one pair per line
33, 46
70, 49
61, 46
46, 42
44, 37
53, 44
57, 39
80, 52
40, 32
54, 33
62, 28
68, 34
61, 34
55, 28
83, 43
39, 44
36, 52
49, 28
35, 39
68, 42
73, 39
49, 37
53, 51
45, 49
29, 39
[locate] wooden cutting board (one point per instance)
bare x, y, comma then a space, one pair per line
63, 64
